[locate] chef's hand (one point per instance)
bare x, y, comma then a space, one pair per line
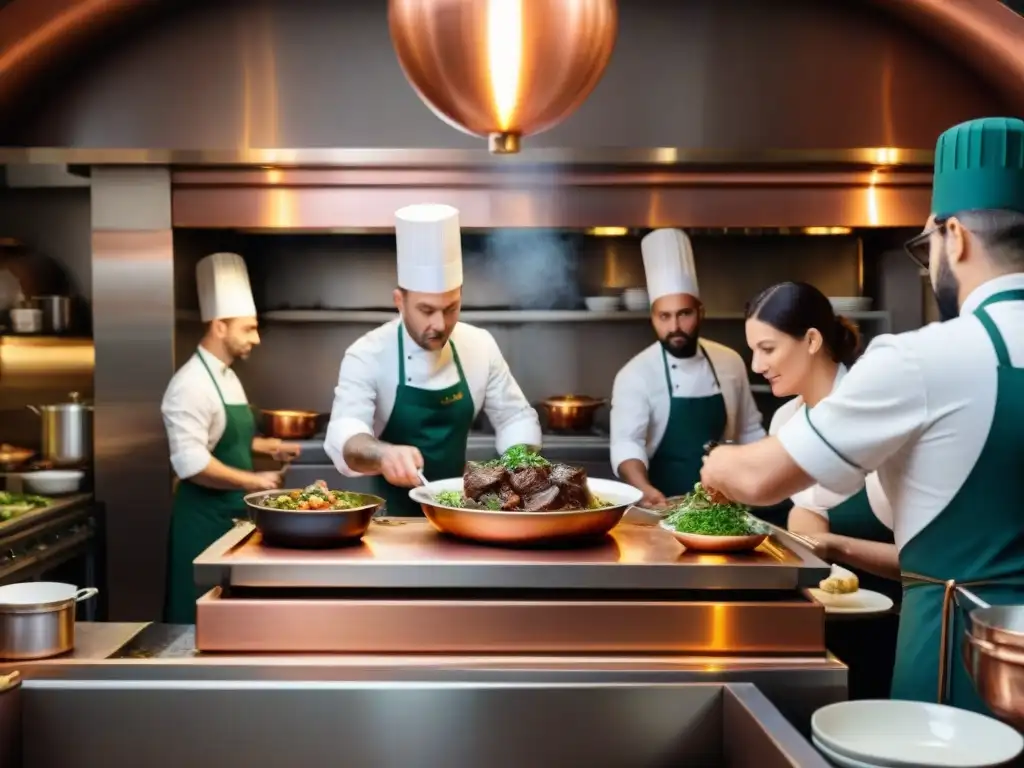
286, 451
713, 472
653, 498
263, 481
400, 465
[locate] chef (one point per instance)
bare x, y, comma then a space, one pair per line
938, 412
409, 391
681, 391
211, 429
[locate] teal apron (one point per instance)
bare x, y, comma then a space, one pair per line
977, 541
867, 645
202, 515
436, 421
692, 422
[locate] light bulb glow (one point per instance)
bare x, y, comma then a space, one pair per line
505, 57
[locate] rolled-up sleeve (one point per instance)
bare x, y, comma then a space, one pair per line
515, 421
630, 420
877, 407
355, 400
188, 419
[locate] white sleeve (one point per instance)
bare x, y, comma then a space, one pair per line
188, 419
877, 407
630, 419
806, 500
749, 419
514, 420
355, 401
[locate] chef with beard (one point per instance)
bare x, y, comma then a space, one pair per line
409, 391
212, 430
680, 392
938, 412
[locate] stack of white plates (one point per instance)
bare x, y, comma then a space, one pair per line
850, 303
911, 734
602, 303
636, 299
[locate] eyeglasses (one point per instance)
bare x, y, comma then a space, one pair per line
919, 247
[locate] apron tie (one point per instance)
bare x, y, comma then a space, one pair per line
950, 589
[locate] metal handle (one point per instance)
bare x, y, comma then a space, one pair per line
35, 410
972, 597
85, 594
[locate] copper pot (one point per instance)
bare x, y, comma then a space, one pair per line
12, 455
998, 674
572, 412
289, 425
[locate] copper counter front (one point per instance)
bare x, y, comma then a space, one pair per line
326, 625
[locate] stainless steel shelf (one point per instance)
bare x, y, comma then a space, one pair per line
505, 316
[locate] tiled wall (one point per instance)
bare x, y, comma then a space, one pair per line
297, 365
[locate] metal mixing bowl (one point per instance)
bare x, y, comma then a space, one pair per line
308, 528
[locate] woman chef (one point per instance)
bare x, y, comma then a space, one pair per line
804, 349
409, 391
938, 412
680, 392
211, 429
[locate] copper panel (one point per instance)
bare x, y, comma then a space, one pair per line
280, 73
411, 555
33, 367
257, 625
769, 204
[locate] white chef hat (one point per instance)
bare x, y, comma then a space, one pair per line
223, 285
429, 245
668, 264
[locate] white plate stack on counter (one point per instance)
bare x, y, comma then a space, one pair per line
911, 734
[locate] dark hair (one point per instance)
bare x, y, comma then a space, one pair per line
795, 308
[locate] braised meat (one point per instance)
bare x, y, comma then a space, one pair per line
541, 488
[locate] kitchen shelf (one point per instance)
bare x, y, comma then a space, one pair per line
506, 316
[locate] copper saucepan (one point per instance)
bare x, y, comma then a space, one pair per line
289, 425
574, 412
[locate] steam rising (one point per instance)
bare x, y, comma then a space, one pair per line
536, 269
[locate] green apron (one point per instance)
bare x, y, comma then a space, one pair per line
692, 422
437, 421
202, 515
867, 645
977, 541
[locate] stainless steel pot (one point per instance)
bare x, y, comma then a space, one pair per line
40, 630
66, 431
56, 312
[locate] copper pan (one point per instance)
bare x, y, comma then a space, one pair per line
12, 455
571, 412
1000, 625
998, 674
289, 425
526, 528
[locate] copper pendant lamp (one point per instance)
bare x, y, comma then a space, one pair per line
503, 68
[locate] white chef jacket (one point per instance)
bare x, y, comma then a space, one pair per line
817, 498
640, 398
193, 414
917, 407
368, 384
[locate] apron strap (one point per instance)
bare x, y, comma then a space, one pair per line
998, 343
704, 352
212, 377
949, 602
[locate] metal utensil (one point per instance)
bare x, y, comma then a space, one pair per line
571, 412
421, 476
310, 528
289, 425
56, 312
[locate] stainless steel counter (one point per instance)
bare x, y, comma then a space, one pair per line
103, 706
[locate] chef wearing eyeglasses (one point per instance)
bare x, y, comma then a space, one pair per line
938, 412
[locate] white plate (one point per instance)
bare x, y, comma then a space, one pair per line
861, 601
835, 757
914, 734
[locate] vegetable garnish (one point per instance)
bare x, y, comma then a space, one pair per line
518, 457
699, 514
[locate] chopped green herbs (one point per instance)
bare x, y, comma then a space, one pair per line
518, 457
698, 514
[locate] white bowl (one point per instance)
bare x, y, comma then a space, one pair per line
914, 734
53, 482
602, 303
850, 303
43, 593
